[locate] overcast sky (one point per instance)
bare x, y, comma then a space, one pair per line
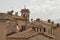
43, 9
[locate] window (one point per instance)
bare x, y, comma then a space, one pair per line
40, 29
23, 28
35, 29
24, 16
44, 29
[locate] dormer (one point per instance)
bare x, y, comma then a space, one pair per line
40, 29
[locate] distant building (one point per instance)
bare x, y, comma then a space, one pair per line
15, 27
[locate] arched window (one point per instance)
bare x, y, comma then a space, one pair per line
24, 15
44, 29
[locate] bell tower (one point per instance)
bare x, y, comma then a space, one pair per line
25, 13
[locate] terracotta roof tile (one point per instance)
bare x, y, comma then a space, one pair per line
27, 34
4, 16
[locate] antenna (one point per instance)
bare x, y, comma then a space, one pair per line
24, 6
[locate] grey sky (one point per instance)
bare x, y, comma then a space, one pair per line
44, 9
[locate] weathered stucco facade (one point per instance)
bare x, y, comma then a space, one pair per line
2, 31
57, 33
15, 27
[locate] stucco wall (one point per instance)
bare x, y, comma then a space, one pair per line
21, 22
2, 31
57, 33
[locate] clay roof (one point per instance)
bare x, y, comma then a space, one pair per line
17, 17
43, 22
7, 16
39, 26
4, 16
27, 34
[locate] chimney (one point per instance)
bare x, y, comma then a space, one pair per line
49, 20
10, 12
16, 13
52, 22
31, 20
38, 19
57, 24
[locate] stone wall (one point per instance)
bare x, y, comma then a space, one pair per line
2, 31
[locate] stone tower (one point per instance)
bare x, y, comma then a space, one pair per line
25, 13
